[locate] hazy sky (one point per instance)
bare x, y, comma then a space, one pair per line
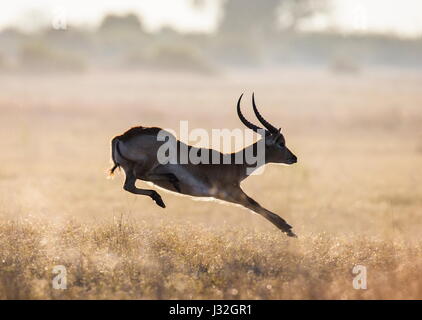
404, 16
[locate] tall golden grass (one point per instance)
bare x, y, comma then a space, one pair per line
354, 198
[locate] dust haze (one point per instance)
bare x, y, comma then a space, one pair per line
353, 198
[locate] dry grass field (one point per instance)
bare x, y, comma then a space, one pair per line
354, 198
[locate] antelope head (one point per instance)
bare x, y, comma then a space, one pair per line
276, 150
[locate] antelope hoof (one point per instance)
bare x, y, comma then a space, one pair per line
290, 233
158, 200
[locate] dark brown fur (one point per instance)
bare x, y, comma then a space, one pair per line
133, 132
220, 180
129, 134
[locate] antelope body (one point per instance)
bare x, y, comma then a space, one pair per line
136, 152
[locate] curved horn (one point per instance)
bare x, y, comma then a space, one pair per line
243, 119
261, 119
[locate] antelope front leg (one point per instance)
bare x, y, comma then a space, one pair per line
239, 197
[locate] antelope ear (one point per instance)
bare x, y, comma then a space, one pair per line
279, 135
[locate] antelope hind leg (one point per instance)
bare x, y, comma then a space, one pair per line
129, 186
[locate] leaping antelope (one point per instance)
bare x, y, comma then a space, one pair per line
136, 152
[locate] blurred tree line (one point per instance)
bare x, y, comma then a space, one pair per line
249, 34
